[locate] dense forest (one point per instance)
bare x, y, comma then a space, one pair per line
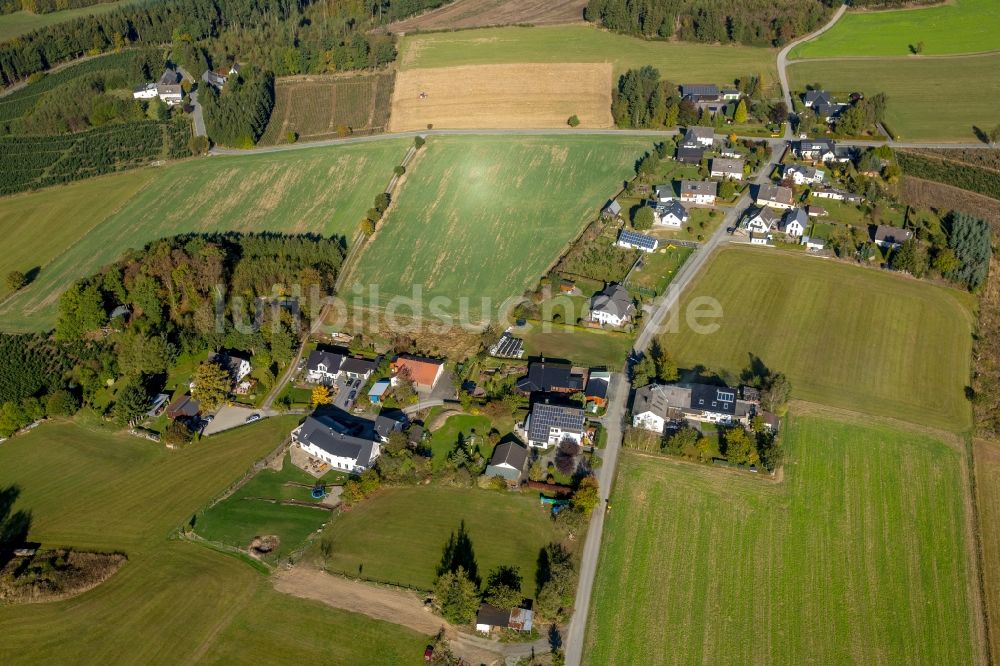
277, 35
238, 115
752, 22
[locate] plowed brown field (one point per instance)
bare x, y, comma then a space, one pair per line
481, 13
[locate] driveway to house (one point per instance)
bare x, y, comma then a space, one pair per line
231, 416
783, 62
196, 115
613, 419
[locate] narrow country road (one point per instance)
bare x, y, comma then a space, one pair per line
618, 401
786, 90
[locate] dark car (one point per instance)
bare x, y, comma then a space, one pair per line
353, 395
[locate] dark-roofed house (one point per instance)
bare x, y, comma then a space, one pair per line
389, 421
358, 368
672, 214
812, 97
490, 617
552, 377
690, 153
183, 406
323, 366
816, 150
550, 424
636, 241
214, 79
598, 384
613, 306
664, 193
727, 168
890, 237
328, 440
803, 175
508, 461
236, 366
775, 196
699, 90
168, 88
699, 192
656, 404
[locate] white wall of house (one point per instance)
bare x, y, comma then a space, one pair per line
607, 318
649, 421
698, 199
339, 462
321, 375
626, 244
773, 204
668, 220
727, 174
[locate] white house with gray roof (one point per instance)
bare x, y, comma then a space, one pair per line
330, 441
613, 306
699, 192
794, 222
727, 168
551, 424
672, 214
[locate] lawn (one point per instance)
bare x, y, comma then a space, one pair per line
256, 510
480, 219
321, 190
912, 113
96, 489
658, 269
987, 456
34, 225
584, 346
857, 556
444, 439
681, 62
845, 336
399, 534
960, 26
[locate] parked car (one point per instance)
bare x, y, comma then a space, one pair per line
253, 417
353, 395
208, 418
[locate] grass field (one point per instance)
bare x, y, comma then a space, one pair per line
414, 524
476, 13
987, 456
857, 556
678, 61
912, 113
486, 96
589, 347
39, 226
255, 510
483, 217
443, 439
95, 489
323, 107
845, 336
18, 23
960, 26
322, 190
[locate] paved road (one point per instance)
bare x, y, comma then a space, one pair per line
197, 116
617, 402
783, 59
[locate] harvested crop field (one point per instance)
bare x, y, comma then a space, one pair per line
859, 556
931, 194
324, 107
479, 219
491, 96
483, 13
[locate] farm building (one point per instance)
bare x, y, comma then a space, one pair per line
636, 241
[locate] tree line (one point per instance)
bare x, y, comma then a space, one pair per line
45, 6
751, 22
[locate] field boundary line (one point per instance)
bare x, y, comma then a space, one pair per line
977, 581
909, 58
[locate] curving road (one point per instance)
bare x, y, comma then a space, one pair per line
783, 61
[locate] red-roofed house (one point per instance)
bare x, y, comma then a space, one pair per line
423, 372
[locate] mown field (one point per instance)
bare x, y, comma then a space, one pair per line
35, 225
987, 455
257, 509
858, 556
95, 489
477, 13
482, 217
845, 336
678, 61
414, 524
323, 107
913, 114
323, 190
959, 26
590, 347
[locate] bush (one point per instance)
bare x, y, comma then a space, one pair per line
399, 170
573, 121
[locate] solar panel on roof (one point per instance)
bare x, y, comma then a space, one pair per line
637, 239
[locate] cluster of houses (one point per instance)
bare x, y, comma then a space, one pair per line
168, 88
658, 407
